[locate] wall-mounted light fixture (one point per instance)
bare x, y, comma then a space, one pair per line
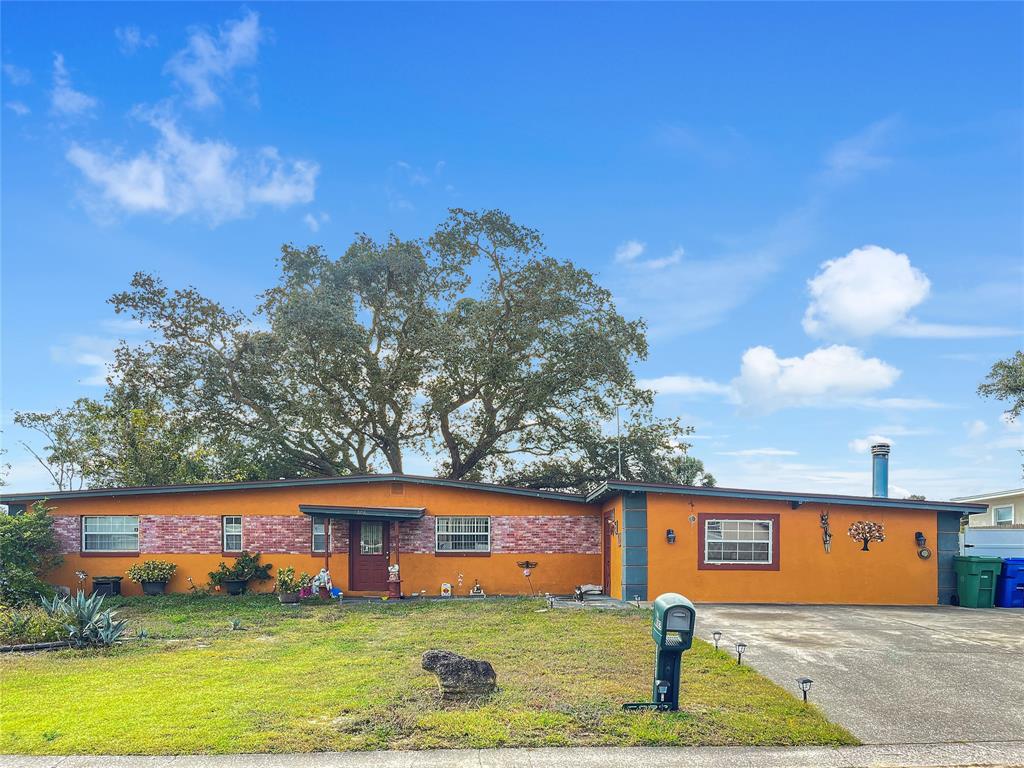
670, 536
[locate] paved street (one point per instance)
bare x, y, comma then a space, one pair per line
890, 675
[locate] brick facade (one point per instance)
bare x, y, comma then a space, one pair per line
180, 534
512, 534
277, 534
68, 531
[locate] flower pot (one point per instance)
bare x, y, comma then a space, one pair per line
288, 598
154, 587
234, 586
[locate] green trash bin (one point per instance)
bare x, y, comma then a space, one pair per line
976, 580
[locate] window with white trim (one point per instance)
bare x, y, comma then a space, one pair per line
738, 541
110, 533
319, 534
1003, 515
232, 525
463, 534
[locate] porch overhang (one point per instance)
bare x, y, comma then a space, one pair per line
362, 513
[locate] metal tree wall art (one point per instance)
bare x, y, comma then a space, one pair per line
867, 531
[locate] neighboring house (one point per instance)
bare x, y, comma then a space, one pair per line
635, 539
1005, 508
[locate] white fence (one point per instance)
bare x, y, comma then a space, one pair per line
993, 542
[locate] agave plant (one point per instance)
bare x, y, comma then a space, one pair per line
109, 631
56, 607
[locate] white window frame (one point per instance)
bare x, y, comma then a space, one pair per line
133, 523
771, 541
224, 533
995, 514
326, 534
444, 521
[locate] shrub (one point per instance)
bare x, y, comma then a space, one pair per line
151, 570
29, 624
245, 568
28, 549
286, 581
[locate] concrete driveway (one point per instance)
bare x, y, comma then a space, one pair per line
890, 675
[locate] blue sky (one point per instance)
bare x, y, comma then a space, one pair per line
817, 208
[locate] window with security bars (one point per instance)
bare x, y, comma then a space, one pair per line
738, 541
232, 533
371, 539
110, 533
319, 534
463, 534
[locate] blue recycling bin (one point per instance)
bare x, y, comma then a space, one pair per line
1010, 584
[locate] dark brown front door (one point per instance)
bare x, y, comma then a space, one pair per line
606, 551
368, 556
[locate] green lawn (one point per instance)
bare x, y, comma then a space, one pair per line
318, 678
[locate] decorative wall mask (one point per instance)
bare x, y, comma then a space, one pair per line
867, 531
826, 533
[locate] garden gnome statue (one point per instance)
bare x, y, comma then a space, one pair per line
322, 583
394, 582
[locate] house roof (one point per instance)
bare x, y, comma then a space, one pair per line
992, 495
363, 513
613, 487
16, 498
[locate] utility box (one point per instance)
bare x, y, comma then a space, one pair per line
109, 586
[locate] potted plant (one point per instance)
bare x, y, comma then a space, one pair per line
153, 575
287, 586
245, 568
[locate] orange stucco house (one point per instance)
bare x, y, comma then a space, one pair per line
633, 539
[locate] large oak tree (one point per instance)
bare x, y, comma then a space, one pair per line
472, 346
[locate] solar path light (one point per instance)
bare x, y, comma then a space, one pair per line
805, 685
741, 648
716, 636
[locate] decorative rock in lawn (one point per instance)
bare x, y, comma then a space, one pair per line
459, 677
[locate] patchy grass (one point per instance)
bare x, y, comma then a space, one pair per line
318, 678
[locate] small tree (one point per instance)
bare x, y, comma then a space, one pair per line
28, 550
866, 532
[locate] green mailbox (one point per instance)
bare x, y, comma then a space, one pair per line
672, 628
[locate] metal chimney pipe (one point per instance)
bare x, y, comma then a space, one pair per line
880, 470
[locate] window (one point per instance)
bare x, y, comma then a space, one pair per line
110, 534
738, 541
371, 538
1003, 515
232, 533
319, 534
463, 534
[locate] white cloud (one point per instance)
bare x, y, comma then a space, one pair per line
869, 290
863, 444
17, 75
826, 376
858, 154
758, 452
872, 290
629, 251
685, 385
93, 352
975, 428
64, 99
182, 175
130, 39
17, 107
314, 222
207, 63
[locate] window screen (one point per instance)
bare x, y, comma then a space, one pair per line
463, 534
110, 534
